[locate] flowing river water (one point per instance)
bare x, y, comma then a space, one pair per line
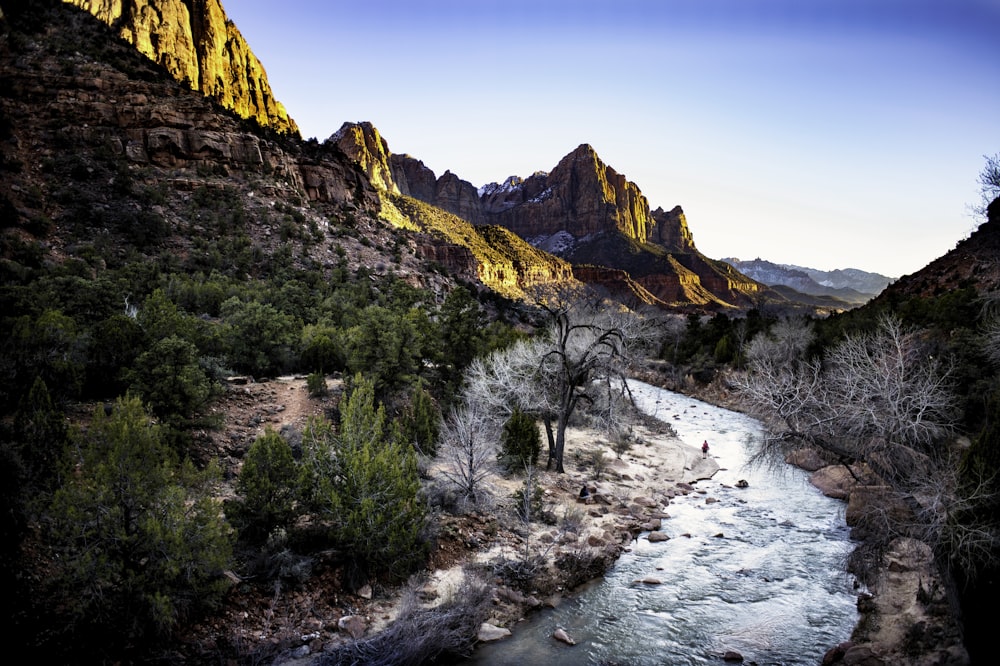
772, 587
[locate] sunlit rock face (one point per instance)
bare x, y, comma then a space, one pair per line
200, 47
581, 196
363, 143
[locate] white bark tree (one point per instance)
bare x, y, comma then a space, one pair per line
551, 375
877, 399
468, 451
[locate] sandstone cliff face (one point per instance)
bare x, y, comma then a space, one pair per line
199, 46
581, 196
413, 178
459, 197
670, 230
363, 143
152, 121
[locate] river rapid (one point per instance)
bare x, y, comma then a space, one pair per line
760, 571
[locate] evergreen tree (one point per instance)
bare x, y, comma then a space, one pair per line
421, 422
140, 539
268, 488
364, 482
520, 442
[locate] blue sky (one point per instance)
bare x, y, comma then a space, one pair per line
823, 133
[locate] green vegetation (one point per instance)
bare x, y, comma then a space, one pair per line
520, 442
362, 481
140, 537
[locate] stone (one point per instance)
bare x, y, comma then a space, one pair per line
833, 481
353, 625
657, 537
490, 632
561, 635
732, 657
202, 49
806, 458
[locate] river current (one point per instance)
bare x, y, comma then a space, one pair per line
760, 571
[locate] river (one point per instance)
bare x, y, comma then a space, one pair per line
772, 587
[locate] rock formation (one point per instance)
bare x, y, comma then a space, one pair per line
581, 196
200, 47
363, 143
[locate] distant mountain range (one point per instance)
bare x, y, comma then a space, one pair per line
849, 284
581, 222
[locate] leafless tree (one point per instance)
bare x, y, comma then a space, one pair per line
468, 451
991, 327
586, 341
989, 185
878, 399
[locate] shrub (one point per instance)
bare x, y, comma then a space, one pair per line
139, 538
316, 385
364, 482
267, 484
520, 443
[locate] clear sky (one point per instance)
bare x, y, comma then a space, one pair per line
823, 133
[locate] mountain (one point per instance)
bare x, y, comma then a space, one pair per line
200, 47
973, 263
850, 286
582, 211
100, 146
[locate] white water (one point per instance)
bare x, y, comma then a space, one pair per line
772, 587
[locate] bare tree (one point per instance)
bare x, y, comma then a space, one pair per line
550, 376
989, 185
991, 326
878, 399
468, 451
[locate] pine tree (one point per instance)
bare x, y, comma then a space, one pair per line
268, 488
140, 538
364, 482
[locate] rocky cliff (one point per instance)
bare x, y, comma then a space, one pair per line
589, 214
582, 211
200, 47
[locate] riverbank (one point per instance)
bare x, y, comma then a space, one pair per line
580, 538
905, 616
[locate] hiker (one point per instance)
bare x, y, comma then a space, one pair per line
704, 449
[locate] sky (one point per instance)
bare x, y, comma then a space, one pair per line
821, 133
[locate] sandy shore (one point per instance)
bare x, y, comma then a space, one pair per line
630, 499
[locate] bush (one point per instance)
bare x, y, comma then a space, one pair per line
364, 482
421, 421
520, 443
316, 385
267, 484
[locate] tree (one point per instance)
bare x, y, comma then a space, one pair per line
268, 487
140, 538
468, 454
363, 481
553, 374
989, 184
880, 400
520, 443
385, 345
169, 378
260, 339
421, 421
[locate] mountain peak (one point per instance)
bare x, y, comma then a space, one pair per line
200, 47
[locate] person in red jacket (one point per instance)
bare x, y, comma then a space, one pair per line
704, 449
